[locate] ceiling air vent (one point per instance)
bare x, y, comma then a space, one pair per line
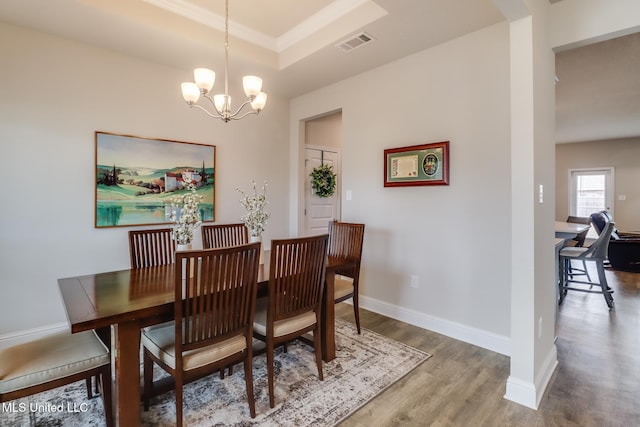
354, 42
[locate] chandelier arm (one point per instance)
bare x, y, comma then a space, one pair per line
208, 97
240, 108
199, 107
244, 115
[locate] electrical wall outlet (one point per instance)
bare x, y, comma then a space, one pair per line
414, 281
540, 328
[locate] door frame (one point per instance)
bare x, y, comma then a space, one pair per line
338, 173
609, 186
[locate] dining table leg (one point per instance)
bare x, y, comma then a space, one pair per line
127, 361
328, 327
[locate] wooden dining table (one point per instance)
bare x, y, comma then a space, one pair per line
132, 299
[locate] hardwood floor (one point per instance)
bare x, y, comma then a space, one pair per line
597, 382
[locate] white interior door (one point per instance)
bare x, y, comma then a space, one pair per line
319, 211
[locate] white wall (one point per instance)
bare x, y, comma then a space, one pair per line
580, 22
54, 95
621, 154
455, 238
325, 131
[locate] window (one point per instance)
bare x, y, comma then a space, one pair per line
591, 191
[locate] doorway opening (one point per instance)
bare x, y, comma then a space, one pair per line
323, 142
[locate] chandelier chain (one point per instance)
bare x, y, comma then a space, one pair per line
226, 49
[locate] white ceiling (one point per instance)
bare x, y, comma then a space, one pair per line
598, 91
291, 44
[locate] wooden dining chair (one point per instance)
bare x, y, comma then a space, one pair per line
345, 241
292, 308
148, 248
223, 235
53, 361
213, 327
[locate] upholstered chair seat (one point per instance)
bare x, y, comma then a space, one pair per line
343, 286
281, 327
54, 361
160, 341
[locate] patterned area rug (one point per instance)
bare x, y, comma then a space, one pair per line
365, 366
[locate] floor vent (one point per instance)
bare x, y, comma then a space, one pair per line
354, 42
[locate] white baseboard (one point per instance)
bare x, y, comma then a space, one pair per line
544, 377
522, 392
494, 342
14, 338
530, 394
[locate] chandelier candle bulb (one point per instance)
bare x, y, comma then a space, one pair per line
260, 101
252, 85
204, 78
222, 103
190, 92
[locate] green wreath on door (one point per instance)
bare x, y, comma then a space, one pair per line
323, 181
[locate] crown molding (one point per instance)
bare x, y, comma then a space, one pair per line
317, 21
212, 20
301, 32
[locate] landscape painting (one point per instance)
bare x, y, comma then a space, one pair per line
136, 178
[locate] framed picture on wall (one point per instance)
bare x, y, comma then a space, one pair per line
425, 164
136, 178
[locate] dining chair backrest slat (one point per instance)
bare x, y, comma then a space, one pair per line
224, 235
345, 241
149, 248
219, 294
296, 275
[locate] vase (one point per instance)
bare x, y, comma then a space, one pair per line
253, 239
184, 247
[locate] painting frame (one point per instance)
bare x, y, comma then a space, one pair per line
417, 165
137, 177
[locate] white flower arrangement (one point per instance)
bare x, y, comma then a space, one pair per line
185, 215
256, 218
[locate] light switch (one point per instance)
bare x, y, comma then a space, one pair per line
348, 195
541, 194
622, 197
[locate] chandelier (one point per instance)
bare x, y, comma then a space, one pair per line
204, 79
